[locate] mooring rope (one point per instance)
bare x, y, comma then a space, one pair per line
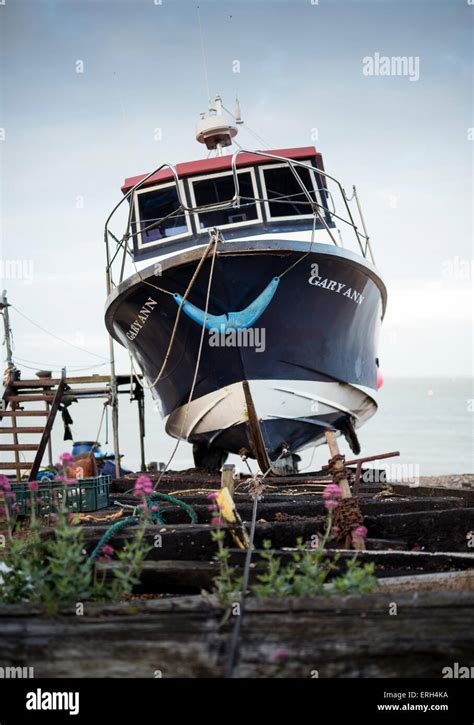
155, 516
214, 238
212, 242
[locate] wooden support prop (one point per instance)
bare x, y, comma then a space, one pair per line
227, 477
339, 466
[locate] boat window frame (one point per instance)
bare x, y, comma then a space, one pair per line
143, 246
267, 202
251, 222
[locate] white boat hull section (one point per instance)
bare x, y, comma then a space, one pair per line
273, 399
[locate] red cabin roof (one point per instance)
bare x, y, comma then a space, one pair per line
221, 163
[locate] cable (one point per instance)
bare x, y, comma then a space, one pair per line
58, 366
247, 127
66, 342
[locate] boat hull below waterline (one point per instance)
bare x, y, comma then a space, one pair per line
306, 364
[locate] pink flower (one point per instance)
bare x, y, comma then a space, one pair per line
143, 486
360, 531
212, 495
332, 490
64, 479
330, 495
153, 508
66, 458
107, 550
216, 521
33, 486
15, 507
5, 483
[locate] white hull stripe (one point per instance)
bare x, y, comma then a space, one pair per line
273, 399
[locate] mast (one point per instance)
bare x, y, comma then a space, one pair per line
7, 330
113, 375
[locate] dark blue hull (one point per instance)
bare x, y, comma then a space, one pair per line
310, 358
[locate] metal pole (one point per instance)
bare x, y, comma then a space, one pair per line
6, 323
367, 239
113, 376
141, 420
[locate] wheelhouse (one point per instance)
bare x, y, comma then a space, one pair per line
171, 211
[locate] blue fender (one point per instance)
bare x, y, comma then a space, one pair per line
232, 320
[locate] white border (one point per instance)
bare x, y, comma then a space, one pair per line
251, 222
262, 169
165, 240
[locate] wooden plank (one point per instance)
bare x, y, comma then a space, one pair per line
22, 413
20, 429
29, 398
74, 380
453, 581
186, 541
341, 637
439, 530
22, 465
19, 447
191, 577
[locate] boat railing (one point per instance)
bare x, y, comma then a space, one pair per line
320, 211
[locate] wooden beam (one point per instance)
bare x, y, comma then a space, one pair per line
20, 429
48, 428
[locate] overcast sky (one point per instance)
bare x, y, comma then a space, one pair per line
71, 138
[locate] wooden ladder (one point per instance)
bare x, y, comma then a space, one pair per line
16, 395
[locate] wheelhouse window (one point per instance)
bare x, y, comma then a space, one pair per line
285, 197
220, 188
159, 215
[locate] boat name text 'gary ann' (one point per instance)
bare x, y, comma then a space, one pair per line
141, 318
330, 284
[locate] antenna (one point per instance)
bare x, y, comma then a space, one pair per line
238, 112
204, 59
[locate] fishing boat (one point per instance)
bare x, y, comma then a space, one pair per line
254, 306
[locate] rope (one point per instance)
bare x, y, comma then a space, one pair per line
156, 518
214, 237
56, 337
198, 360
212, 241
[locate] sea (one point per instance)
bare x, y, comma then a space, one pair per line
430, 421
